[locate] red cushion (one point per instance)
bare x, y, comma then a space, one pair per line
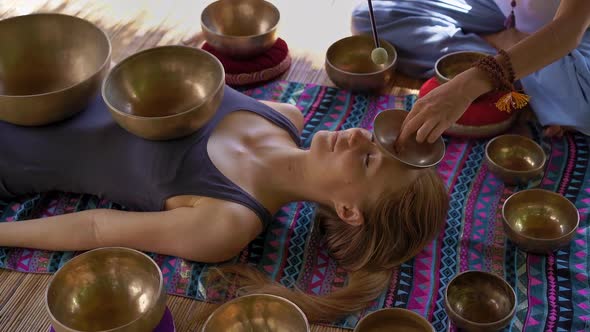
480, 113
258, 69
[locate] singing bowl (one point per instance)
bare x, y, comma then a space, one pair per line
387, 127
480, 301
51, 67
240, 28
539, 221
393, 320
515, 159
452, 64
164, 92
257, 312
348, 64
107, 289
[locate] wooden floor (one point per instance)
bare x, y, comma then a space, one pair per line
140, 24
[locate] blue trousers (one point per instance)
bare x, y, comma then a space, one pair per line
422, 31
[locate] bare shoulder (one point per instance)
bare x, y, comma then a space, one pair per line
290, 111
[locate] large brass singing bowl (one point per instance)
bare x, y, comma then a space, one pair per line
450, 65
540, 221
51, 67
387, 127
393, 320
257, 312
240, 28
107, 289
164, 92
515, 159
349, 65
480, 301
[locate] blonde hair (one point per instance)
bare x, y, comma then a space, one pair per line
397, 228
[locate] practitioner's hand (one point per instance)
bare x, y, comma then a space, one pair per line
434, 113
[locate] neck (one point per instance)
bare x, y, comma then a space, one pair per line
283, 176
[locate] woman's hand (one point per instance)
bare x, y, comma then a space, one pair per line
434, 113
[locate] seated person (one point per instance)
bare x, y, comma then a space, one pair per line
547, 44
206, 196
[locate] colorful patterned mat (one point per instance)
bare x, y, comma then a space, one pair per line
553, 292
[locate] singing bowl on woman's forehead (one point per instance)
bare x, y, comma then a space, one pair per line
480, 301
393, 320
165, 92
257, 312
387, 127
107, 289
51, 67
540, 221
240, 28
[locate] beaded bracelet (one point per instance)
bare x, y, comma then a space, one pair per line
502, 77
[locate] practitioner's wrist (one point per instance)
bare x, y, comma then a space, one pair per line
473, 83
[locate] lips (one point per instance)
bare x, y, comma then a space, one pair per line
333, 141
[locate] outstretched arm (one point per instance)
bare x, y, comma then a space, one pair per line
437, 111
195, 234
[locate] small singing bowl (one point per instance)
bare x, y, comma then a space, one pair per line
164, 92
107, 289
240, 28
386, 129
480, 301
539, 221
257, 312
51, 67
452, 64
515, 159
349, 65
393, 320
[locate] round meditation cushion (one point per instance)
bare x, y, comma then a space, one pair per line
481, 119
259, 69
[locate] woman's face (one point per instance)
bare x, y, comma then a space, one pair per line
351, 166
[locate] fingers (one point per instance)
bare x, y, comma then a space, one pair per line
423, 133
409, 127
437, 132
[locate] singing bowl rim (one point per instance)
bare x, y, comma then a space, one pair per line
157, 49
275, 297
464, 321
54, 320
516, 172
106, 62
437, 72
539, 239
402, 310
440, 141
217, 34
350, 73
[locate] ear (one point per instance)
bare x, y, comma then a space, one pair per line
350, 214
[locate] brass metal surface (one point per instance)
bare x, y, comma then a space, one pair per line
387, 127
480, 301
540, 221
240, 28
515, 159
51, 67
393, 320
452, 64
349, 65
107, 289
257, 313
165, 92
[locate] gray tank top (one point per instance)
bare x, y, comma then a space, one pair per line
90, 153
